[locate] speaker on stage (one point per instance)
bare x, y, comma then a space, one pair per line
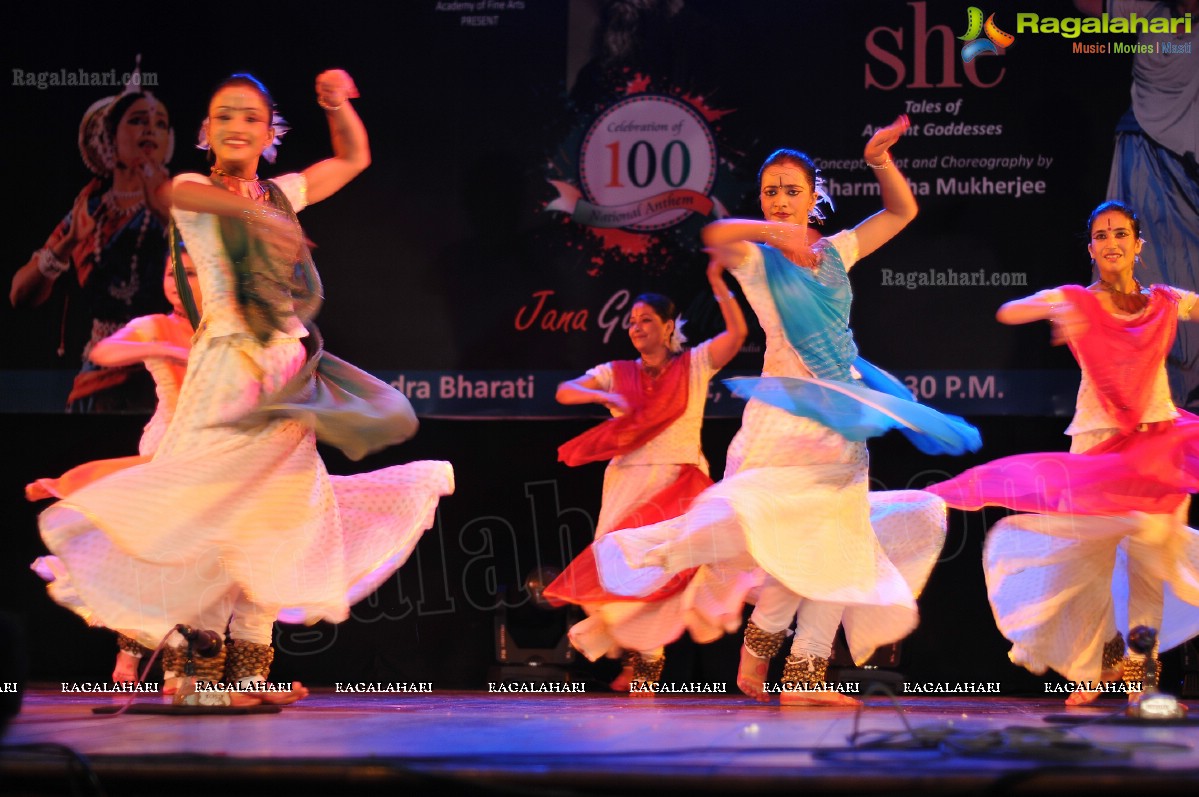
881, 669
531, 645
14, 667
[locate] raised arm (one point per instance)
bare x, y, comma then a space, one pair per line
1052, 306
351, 149
1038, 307
725, 346
899, 204
278, 230
204, 197
134, 343
736, 236
585, 390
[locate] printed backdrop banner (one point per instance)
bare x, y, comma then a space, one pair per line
536, 165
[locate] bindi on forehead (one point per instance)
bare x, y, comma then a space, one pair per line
1112, 223
155, 109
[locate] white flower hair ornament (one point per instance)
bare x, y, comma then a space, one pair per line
677, 338
270, 153
822, 197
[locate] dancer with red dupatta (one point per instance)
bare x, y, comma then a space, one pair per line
656, 468
1109, 532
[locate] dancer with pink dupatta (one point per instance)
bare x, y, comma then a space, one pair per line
1108, 548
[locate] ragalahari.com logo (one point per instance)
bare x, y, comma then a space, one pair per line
996, 40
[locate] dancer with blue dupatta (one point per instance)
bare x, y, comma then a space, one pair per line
794, 503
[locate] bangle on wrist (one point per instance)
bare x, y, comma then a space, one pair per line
886, 164
49, 265
321, 102
724, 298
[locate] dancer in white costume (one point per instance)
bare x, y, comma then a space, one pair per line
161, 343
1105, 547
236, 515
794, 500
657, 466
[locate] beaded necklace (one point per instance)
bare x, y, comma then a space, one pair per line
126, 289
1131, 302
654, 372
249, 187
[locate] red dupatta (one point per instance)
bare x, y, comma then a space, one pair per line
580, 582
654, 404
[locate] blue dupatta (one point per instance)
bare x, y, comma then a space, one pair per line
847, 394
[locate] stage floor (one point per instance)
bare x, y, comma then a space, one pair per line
480, 743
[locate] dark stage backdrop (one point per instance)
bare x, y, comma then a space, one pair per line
530, 176
533, 171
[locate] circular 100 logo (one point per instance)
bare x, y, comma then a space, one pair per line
643, 151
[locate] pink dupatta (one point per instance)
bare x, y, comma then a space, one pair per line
1145, 468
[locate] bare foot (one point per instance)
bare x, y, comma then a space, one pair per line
280, 698
818, 698
751, 675
621, 682
126, 668
270, 698
1081, 698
